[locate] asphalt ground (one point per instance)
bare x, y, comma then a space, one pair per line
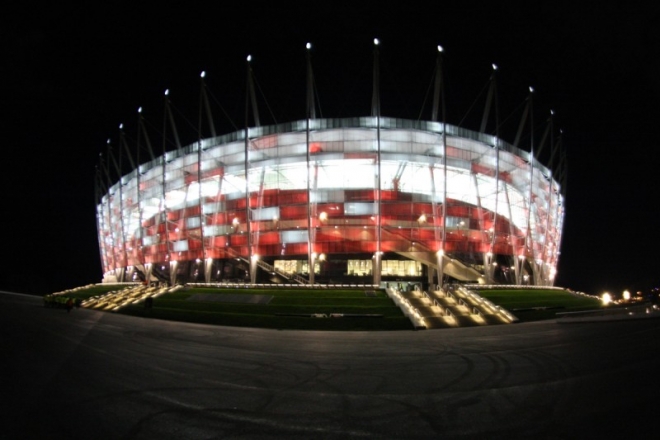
89, 374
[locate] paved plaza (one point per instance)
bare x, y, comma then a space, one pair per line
89, 374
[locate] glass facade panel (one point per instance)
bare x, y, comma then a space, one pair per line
331, 195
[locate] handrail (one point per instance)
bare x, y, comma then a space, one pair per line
270, 268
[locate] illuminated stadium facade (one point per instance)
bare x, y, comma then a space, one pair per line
363, 200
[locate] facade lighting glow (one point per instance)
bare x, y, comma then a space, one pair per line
481, 202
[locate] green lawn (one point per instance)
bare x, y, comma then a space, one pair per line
287, 309
538, 304
291, 308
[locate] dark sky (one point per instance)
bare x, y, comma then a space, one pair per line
71, 74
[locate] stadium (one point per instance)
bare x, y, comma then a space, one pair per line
366, 200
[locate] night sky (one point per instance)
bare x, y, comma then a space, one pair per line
71, 75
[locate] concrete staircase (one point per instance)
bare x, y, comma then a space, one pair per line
455, 307
271, 269
116, 299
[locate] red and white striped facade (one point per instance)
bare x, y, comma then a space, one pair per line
373, 190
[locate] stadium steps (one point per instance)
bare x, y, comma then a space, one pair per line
270, 268
422, 254
434, 322
456, 307
117, 299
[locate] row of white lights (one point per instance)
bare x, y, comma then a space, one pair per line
308, 46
